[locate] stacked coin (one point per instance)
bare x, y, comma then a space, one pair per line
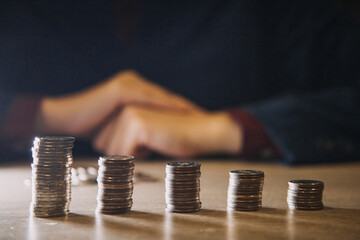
182, 187
245, 190
115, 184
305, 194
51, 176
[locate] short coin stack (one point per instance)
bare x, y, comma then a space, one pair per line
305, 194
182, 187
115, 184
51, 176
245, 190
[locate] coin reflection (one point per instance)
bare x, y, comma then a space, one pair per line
291, 229
168, 226
231, 226
99, 226
32, 229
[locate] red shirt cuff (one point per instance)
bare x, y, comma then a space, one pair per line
256, 141
20, 121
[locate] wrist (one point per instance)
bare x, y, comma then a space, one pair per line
227, 135
118, 87
45, 117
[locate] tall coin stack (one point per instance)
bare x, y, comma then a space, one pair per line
51, 176
305, 194
115, 184
245, 190
182, 187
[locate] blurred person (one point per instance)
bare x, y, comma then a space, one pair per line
257, 79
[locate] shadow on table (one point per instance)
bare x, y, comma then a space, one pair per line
100, 226
328, 216
207, 223
271, 223
135, 223
331, 217
334, 223
57, 227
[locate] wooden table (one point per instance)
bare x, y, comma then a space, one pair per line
148, 220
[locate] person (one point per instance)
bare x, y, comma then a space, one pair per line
257, 79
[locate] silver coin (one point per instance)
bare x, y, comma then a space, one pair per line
54, 139
115, 184
183, 164
51, 176
182, 187
247, 172
117, 158
306, 183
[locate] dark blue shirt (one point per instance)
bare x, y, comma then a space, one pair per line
294, 65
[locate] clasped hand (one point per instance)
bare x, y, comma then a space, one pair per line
128, 114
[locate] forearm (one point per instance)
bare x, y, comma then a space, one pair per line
171, 133
225, 135
78, 113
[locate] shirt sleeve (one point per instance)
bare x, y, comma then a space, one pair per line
318, 127
257, 143
18, 125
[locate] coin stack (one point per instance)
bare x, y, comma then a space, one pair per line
51, 176
182, 187
305, 194
245, 190
115, 184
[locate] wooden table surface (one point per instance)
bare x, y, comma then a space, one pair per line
148, 220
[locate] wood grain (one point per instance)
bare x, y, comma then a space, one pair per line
148, 219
